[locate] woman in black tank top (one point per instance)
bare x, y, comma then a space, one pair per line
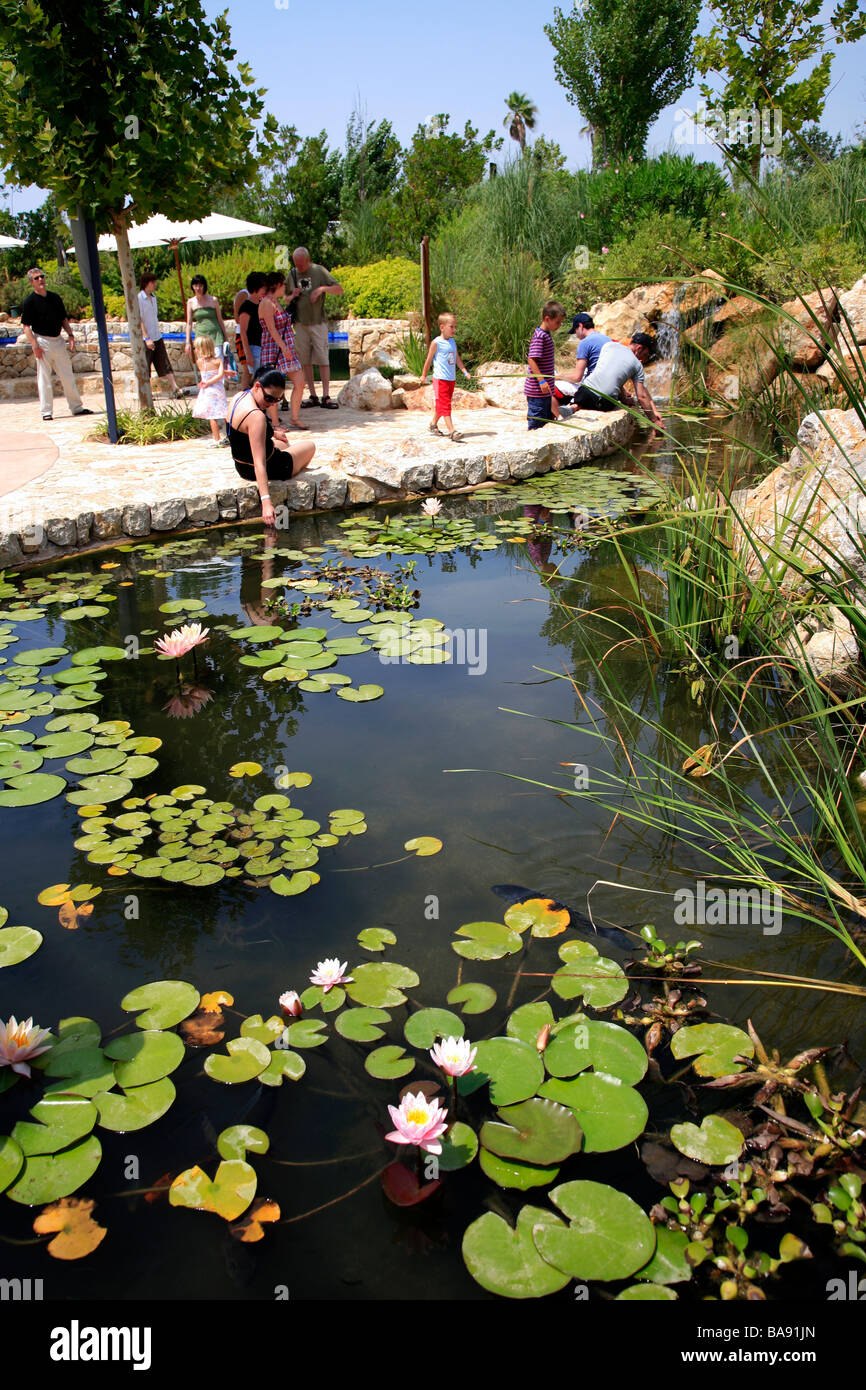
252, 436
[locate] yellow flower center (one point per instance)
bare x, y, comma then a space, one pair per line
416, 1117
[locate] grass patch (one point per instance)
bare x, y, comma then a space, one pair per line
154, 426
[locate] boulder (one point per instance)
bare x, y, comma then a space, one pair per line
638, 312
367, 391
827, 642
461, 400
136, 519
734, 312
405, 381
806, 346
841, 360
501, 384
822, 487
852, 305
165, 516
748, 356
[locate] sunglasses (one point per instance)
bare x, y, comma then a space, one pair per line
37, 277
274, 400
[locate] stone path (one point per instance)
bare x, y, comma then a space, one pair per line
61, 490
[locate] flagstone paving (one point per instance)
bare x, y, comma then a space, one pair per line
62, 490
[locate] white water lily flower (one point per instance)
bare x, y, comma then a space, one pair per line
431, 506
329, 973
455, 1056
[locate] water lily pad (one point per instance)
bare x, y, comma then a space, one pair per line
283, 1063
17, 944
714, 1142
88, 655
646, 1293
715, 1045
608, 1236
145, 1056
263, 1031
32, 789
669, 1264
376, 938
388, 1062
306, 1032
17, 761
139, 766
65, 745
424, 845
246, 1059
475, 997
41, 656
362, 694
605, 1047
101, 789
60, 1120
135, 1108
505, 1261
380, 984
424, 1027
486, 941
84, 1070
298, 883
527, 1022
245, 769
228, 1194
99, 761
535, 1131
235, 1141
538, 915
47, 1177
610, 1113
362, 1024
86, 610
327, 1000
259, 633
514, 1069
348, 646
599, 981
11, 1161
77, 1234
459, 1147
508, 1172
165, 1003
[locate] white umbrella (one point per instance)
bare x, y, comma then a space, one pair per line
7, 241
159, 231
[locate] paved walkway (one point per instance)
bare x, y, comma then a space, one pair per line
60, 489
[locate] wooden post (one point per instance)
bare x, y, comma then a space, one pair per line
425, 287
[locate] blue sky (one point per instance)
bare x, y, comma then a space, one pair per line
409, 61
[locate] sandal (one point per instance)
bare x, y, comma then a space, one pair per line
328, 404
434, 429
456, 437
309, 402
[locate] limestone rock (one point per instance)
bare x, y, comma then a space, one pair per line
799, 343
331, 488
165, 516
61, 532
746, 354
359, 492
136, 520
638, 312
405, 381
852, 306
501, 384
476, 471
228, 504
461, 400
107, 524
841, 360
202, 509
10, 550
249, 502
367, 391
398, 399
83, 524
301, 494
419, 477
450, 473
828, 643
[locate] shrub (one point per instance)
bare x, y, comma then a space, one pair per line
497, 322
115, 304
661, 247
388, 289
65, 281
155, 426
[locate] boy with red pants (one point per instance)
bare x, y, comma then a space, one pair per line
446, 359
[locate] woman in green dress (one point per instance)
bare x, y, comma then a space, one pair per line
203, 314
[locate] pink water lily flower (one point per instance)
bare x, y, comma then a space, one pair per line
181, 640
431, 506
418, 1121
290, 1003
20, 1041
455, 1056
329, 973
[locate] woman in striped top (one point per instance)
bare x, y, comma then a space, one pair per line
278, 341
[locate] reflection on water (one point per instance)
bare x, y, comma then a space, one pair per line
391, 759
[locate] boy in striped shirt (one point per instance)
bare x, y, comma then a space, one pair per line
538, 388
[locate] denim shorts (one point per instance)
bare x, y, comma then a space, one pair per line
539, 410
256, 354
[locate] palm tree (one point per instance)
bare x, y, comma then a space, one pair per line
521, 117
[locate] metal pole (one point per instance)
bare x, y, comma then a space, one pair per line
425, 287
101, 329
179, 277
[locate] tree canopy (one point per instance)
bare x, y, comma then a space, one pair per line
621, 63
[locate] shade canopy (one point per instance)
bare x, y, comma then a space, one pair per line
159, 231
8, 241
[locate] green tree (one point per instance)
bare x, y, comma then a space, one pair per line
758, 46
438, 168
521, 117
371, 164
127, 108
547, 154
621, 63
814, 146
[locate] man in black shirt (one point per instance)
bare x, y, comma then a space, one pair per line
42, 316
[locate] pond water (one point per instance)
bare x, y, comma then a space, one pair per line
401, 759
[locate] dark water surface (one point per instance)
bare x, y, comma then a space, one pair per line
391, 759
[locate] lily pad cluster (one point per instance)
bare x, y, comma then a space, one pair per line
595, 492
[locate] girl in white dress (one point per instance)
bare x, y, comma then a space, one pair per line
211, 403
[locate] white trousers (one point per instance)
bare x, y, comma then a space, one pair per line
55, 357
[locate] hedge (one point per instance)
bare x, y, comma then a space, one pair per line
388, 289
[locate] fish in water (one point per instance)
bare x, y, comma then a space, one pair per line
517, 893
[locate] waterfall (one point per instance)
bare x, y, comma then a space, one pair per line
669, 331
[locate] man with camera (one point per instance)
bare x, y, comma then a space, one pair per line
310, 323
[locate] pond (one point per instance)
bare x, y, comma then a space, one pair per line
181, 847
